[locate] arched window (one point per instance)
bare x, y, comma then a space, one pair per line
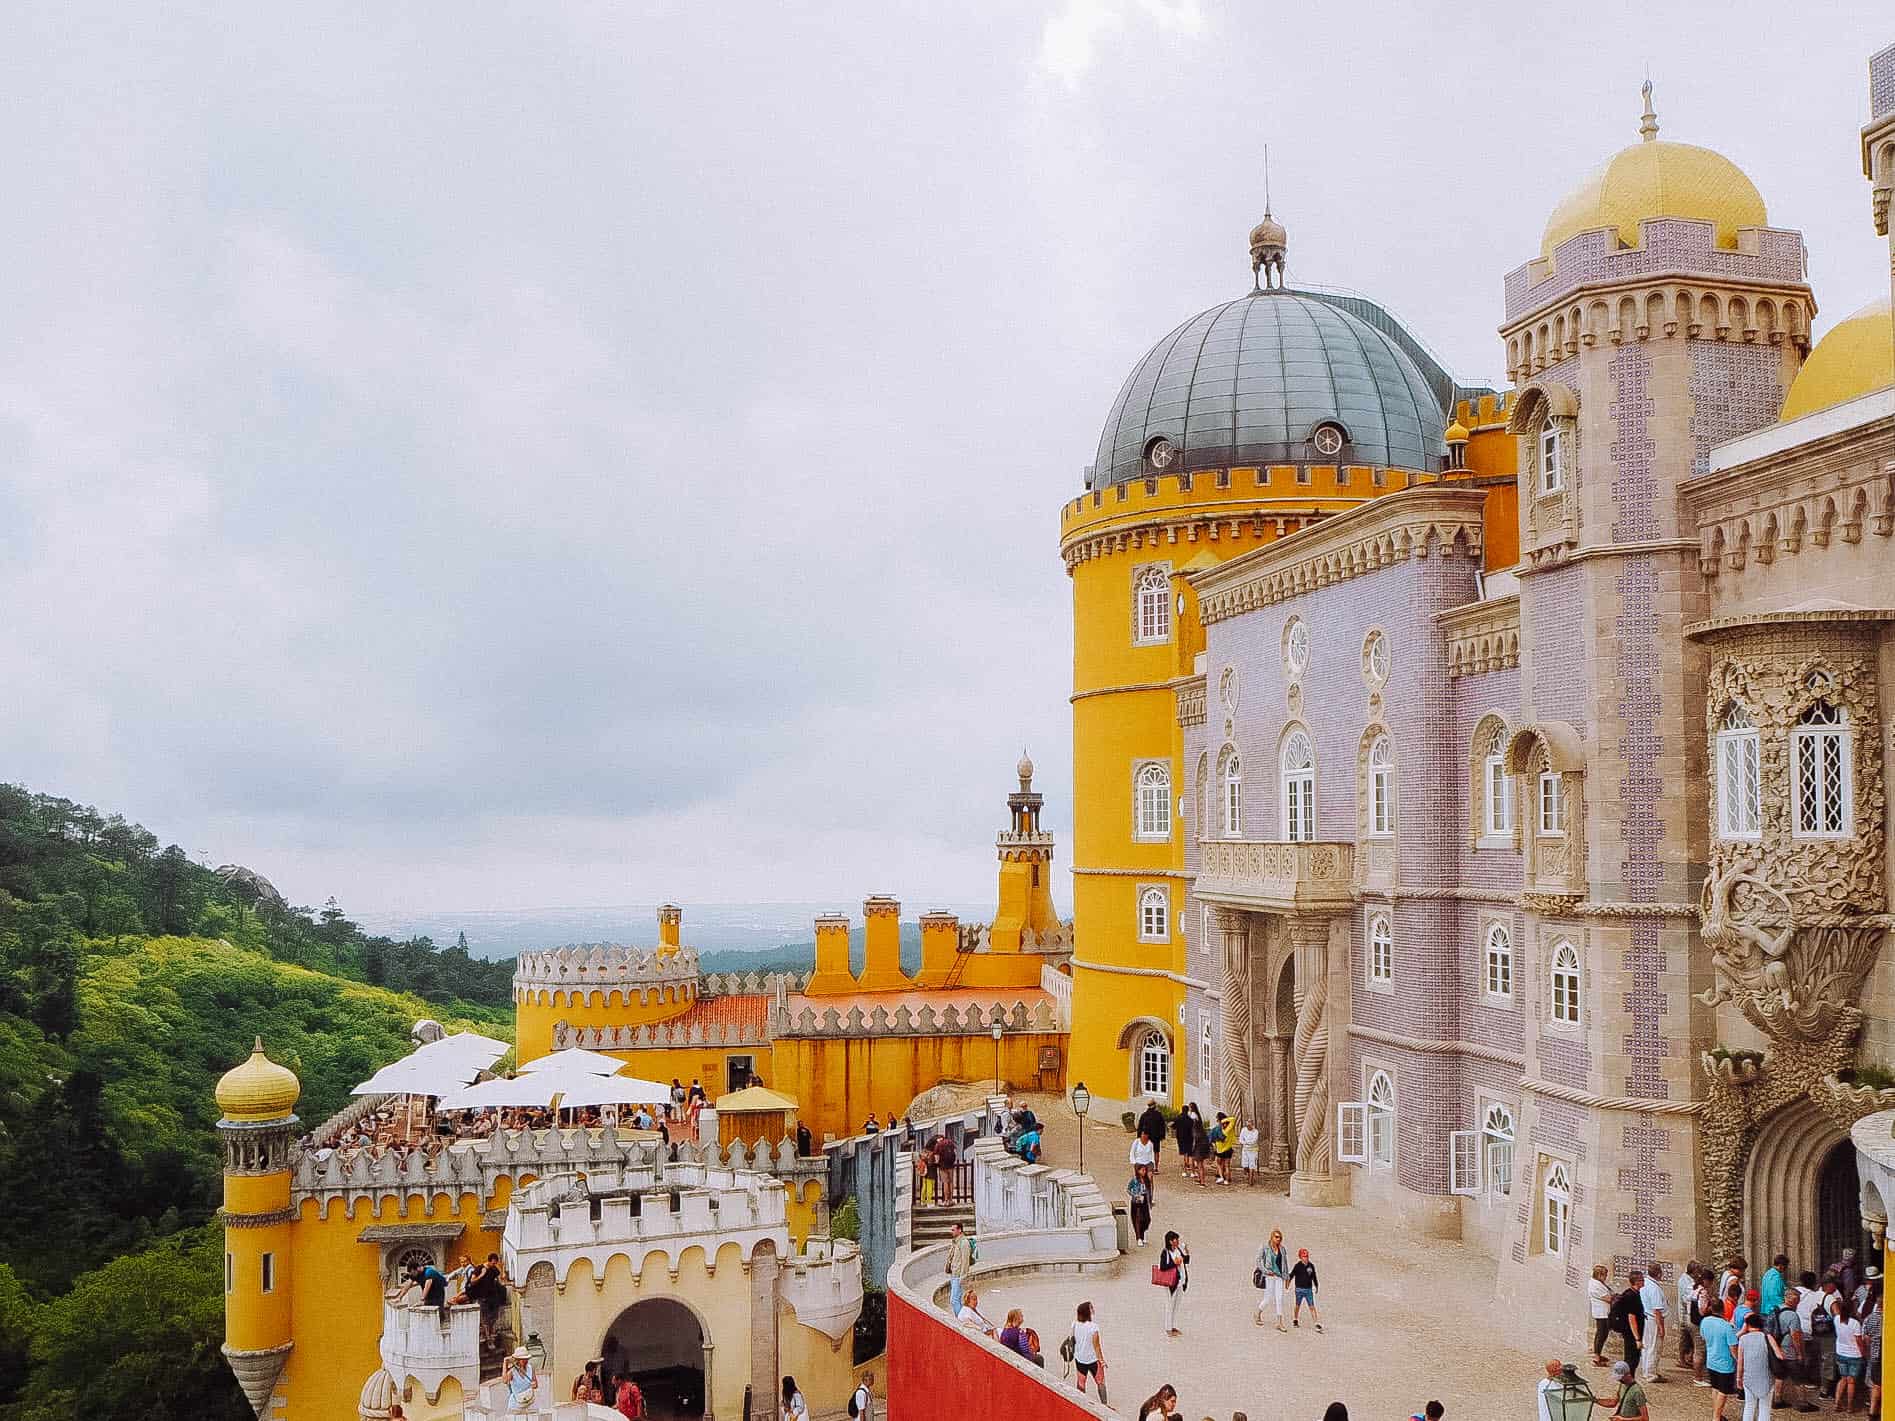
1565, 983
1558, 1207
1381, 950
1381, 1120
1821, 776
1151, 595
1552, 456
1496, 785
1496, 1139
1231, 781
1299, 789
1739, 794
1154, 1067
1151, 807
1154, 915
1381, 788
1499, 961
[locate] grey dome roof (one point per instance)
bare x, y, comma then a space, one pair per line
1246, 382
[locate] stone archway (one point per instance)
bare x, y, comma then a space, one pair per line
661, 1342
1799, 1181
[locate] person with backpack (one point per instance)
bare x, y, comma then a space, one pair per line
945, 1160
1757, 1351
862, 1399
960, 1261
1223, 1145
1086, 1350
1270, 1273
1172, 1272
1798, 1355
1182, 1130
1631, 1404
1016, 1336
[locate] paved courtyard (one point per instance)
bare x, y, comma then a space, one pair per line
1406, 1320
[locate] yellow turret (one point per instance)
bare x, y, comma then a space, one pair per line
256, 1098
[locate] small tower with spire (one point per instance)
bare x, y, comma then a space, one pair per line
1269, 243
1026, 870
1648, 121
256, 1100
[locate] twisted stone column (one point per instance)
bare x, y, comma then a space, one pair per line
1313, 1182
1234, 1068
1281, 1124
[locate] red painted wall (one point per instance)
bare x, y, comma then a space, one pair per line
935, 1369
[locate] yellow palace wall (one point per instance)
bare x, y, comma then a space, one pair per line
536, 1010
837, 1080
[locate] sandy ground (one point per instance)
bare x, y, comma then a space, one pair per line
1406, 1320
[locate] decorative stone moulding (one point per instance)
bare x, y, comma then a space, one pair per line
1742, 519
632, 1038
1845, 1102
925, 1020
1483, 636
1276, 876
602, 965
1191, 700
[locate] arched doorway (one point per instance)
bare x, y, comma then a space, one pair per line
1801, 1196
661, 1343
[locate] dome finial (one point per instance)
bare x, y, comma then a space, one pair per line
1269, 243
1648, 122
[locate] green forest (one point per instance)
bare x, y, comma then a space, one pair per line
131, 977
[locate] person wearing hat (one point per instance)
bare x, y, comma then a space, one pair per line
1631, 1405
521, 1379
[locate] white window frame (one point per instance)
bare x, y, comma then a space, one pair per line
1499, 790
1497, 962
1565, 983
1556, 1205
1204, 1049
1464, 1162
1151, 605
1381, 1120
1739, 787
1381, 953
1497, 1136
1299, 788
1352, 1132
1154, 1065
1552, 460
1381, 789
1817, 740
1552, 806
1230, 783
1151, 802
1154, 913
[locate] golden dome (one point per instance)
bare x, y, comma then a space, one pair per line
1654, 178
1456, 433
259, 1089
1855, 358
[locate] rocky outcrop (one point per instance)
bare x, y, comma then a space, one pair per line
252, 887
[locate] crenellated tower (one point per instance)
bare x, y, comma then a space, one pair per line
257, 1130
1026, 870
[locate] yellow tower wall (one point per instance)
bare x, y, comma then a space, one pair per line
881, 946
832, 975
536, 1010
840, 1080
940, 940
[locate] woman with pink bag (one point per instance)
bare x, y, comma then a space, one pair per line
1172, 1272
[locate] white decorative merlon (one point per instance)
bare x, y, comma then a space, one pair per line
1061, 1209
634, 1038
419, 1346
823, 1286
972, 1020
599, 965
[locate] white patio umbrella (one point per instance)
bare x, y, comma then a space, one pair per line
578, 1060
410, 1076
463, 1045
580, 1091
521, 1090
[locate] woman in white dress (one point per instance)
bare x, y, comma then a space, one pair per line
1247, 1151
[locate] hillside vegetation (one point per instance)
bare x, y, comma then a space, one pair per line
130, 979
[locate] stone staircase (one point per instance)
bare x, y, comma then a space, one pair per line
934, 1223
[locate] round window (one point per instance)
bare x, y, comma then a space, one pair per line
1160, 453
1327, 440
1296, 647
1227, 688
1375, 658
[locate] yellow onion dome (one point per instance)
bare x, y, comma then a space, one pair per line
1656, 178
259, 1089
1456, 433
1856, 358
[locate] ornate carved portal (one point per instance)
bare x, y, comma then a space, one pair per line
1794, 922
1235, 1078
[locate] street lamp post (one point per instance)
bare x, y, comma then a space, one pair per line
999, 1031
1082, 1103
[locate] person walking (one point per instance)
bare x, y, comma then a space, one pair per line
1599, 1300
1138, 1191
1849, 1350
520, 1381
1151, 1124
1631, 1404
1200, 1144
1181, 1130
1651, 1294
1720, 1359
959, 1260
1627, 1315
862, 1399
1272, 1268
1687, 1314
1247, 1152
1774, 1284
1223, 1145
1172, 1272
794, 1407
1754, 1378
1143, 1153
1303, 1281
1792, 1387
1089, 1351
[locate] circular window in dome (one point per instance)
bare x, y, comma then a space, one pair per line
1296, 647
1227, 688
1160, 453
1375, 659
1328, 440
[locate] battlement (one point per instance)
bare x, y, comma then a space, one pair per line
1488, 411
632, 1038
587, 967
1205, 498
972, 1019
1668, 246
476, 1167
978, 937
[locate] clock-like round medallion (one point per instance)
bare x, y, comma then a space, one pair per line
1161, 453
1327, 439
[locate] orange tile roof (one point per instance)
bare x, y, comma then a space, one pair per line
747, 1011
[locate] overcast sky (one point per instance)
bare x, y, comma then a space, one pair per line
476, 456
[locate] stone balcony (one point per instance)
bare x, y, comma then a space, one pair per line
1275, 877
419, 1346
